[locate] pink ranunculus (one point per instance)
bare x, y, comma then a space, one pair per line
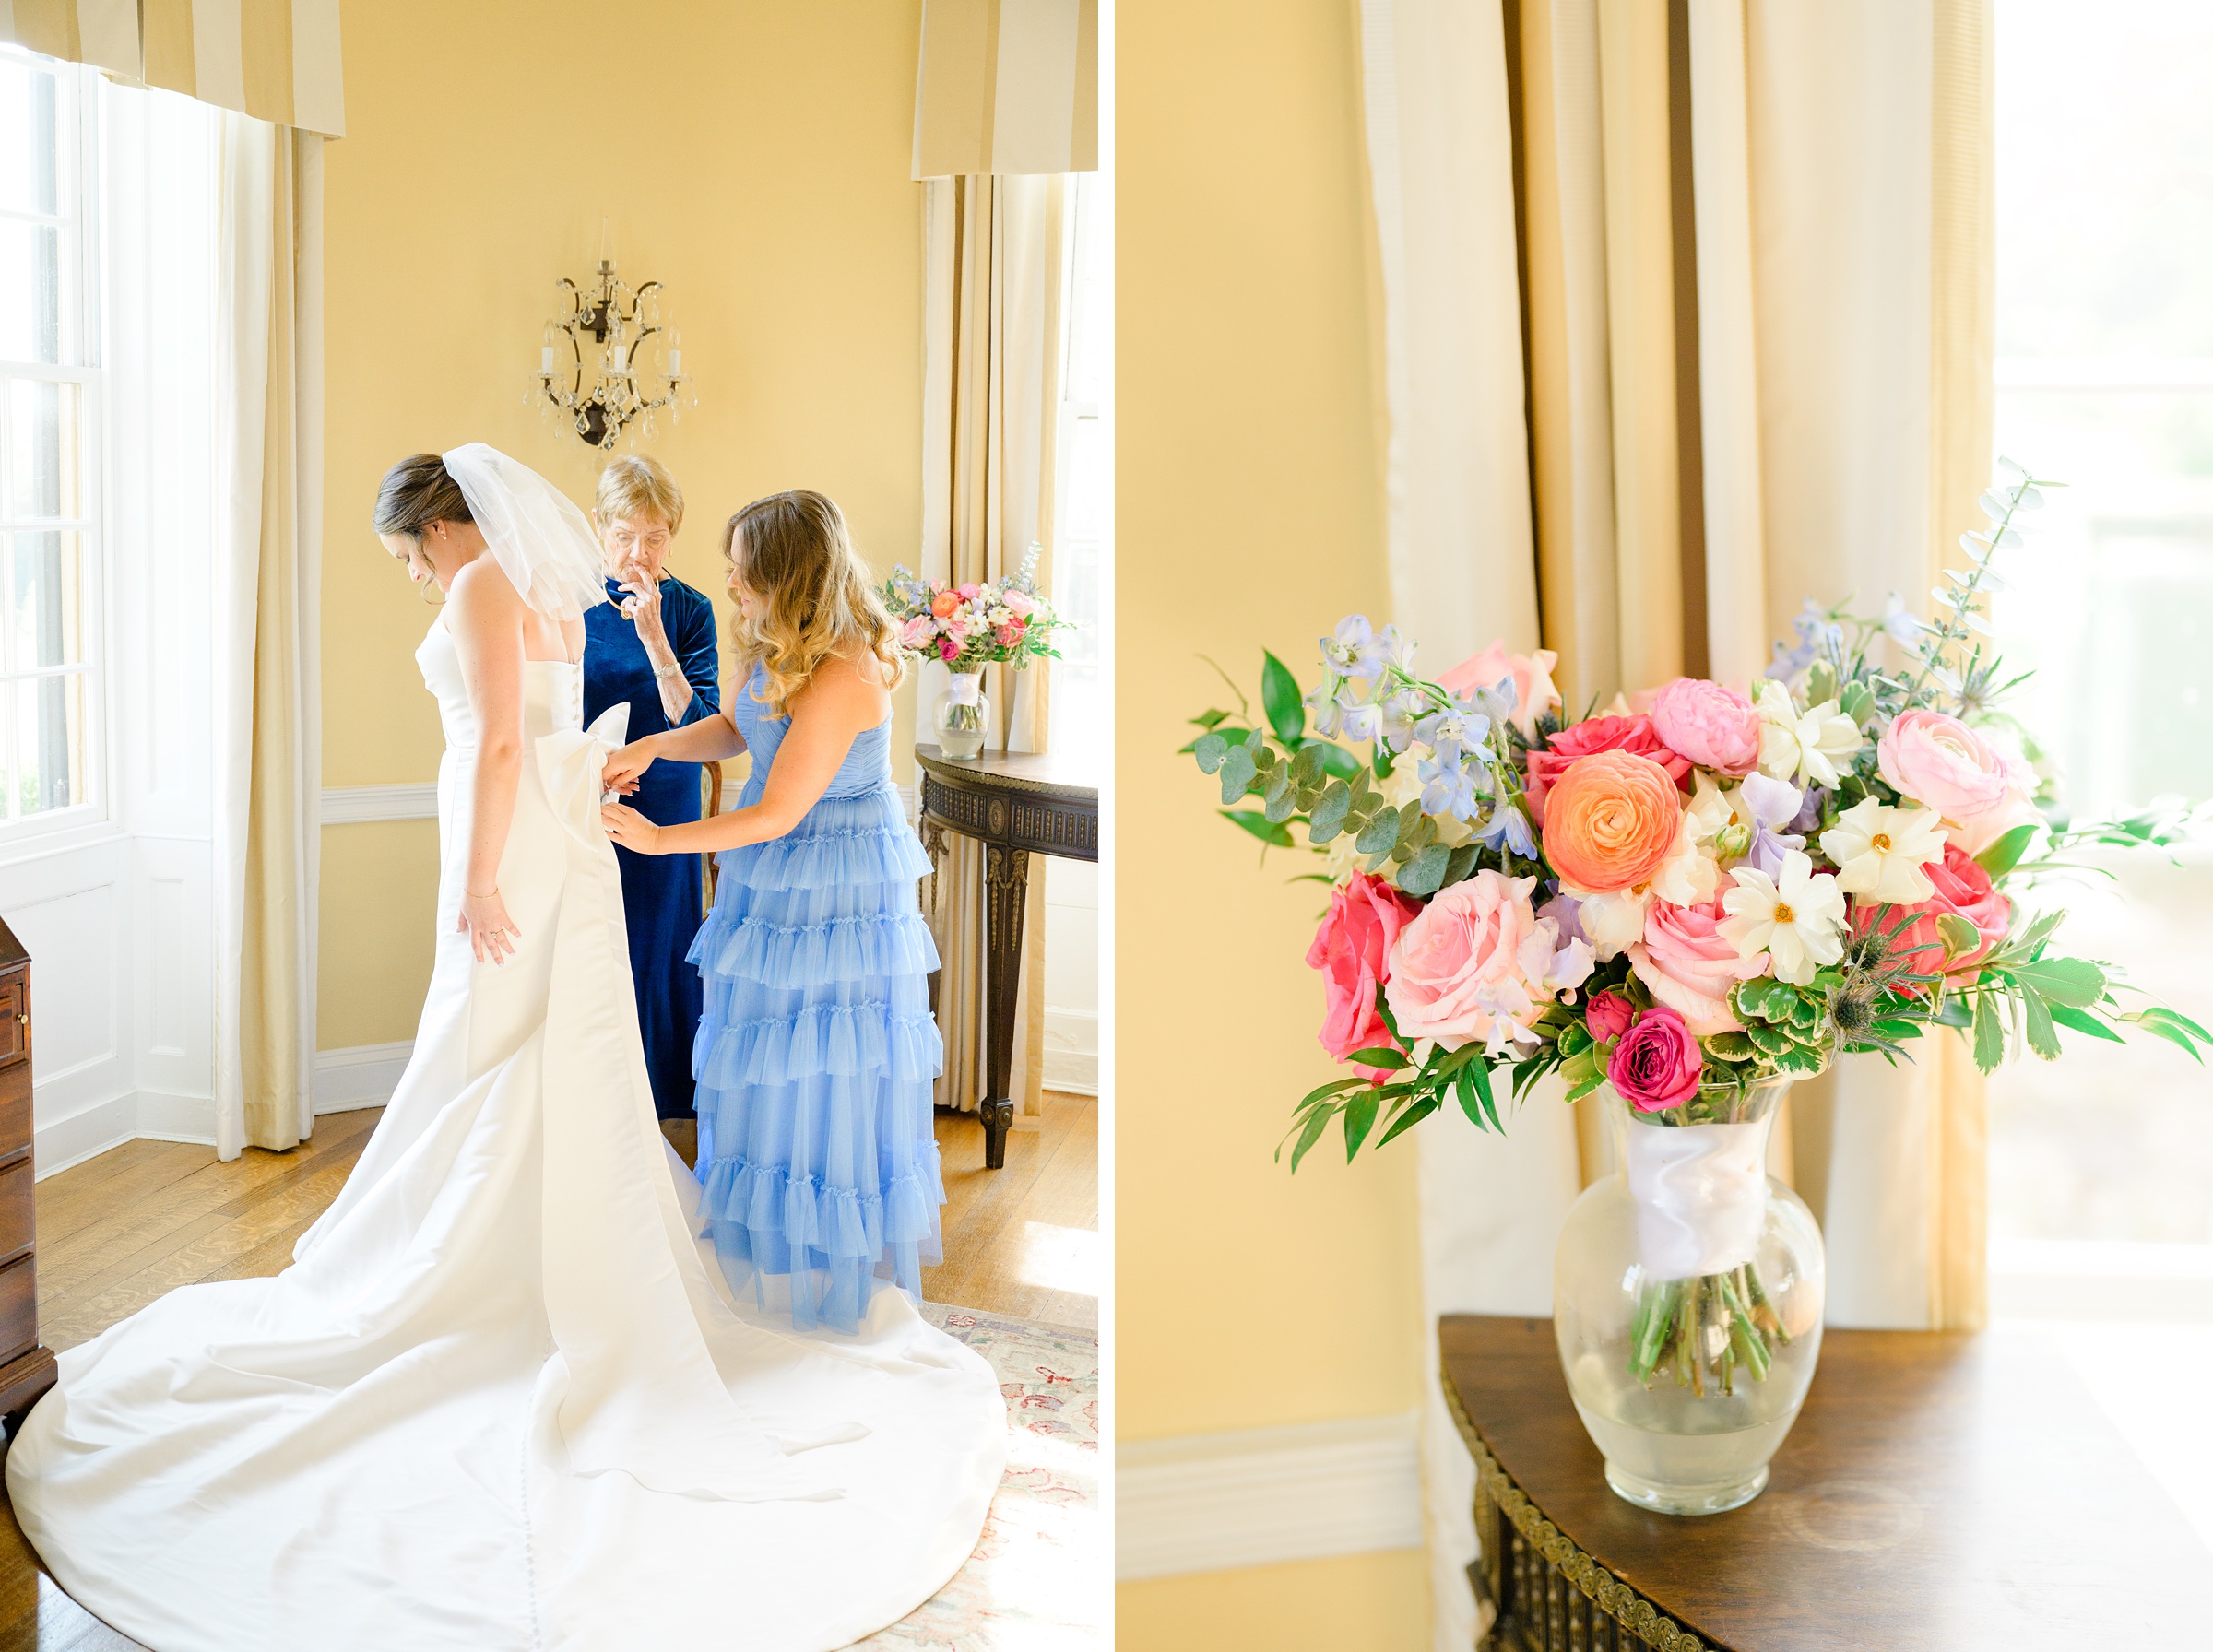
1473, 956
1689, 965
1019, 603
1716, 727
1962, 888
1607, 1016
948, 650
1590, 736
917, 631
942, 604
1980, 789
1657, 1063
1351, 949
1534, 688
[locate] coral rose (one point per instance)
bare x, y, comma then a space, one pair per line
1657, 1064
1691, 965
1962, 888
1591, 735
1979, 789
1534, 692
1351, 949
1476, 956
1716, 727
1612, 822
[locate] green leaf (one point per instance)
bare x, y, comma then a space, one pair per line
1279, 694
1959, 936
1768, 1041
1311, 1135
1382, 761
1273, 833
1359, 1119
1897, 1032
1990, 1034
1335, 1087
1208, 718
1210, 749
1575, 1037
1238, 772
2075, 982
1328, 818
2083, 1021
1480, 1071
1413, 1115
1377, 836
1805, 1014
2001, 856
1799, 1058
1425, 874
1464, 1088
1283, 800
1337, 760
2044, 1037
2174, 1035
1462, 866
1858, 702
1306, 765
1382, 1055
1728, 1046
2159, 1012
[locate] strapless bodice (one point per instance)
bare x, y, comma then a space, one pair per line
552, 692
867, 768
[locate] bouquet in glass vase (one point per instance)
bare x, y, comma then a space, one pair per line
1686, 901
966, 627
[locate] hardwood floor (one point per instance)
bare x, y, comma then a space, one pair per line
123, 1229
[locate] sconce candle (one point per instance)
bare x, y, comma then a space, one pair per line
604, 396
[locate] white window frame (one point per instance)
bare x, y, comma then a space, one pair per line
77, 218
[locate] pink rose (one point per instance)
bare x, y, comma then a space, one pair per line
1962, 888
943, 603
970, 592
1475, 957
1657, 1063
959, 630
917, 631
1607, 1016
1590, 736
948, 650
1691, 965
1534, 690
1019, 603
1351, 948
1716, 727
1940, 763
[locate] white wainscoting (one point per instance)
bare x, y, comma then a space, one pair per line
350, 804
1259, 1497
363, 1076
1072, 974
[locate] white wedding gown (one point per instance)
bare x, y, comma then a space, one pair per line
502, 1399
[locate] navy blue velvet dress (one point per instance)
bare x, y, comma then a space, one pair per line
661, 893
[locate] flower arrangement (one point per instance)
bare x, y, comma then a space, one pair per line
969, 625
1686, 895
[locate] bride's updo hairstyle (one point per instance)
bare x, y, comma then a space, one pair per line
813, 596
416, 492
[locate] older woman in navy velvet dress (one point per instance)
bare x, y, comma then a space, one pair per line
652, 646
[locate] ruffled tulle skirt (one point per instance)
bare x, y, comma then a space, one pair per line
815, 1062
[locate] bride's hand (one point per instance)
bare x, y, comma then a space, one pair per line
626, 826
625, 767
490, 930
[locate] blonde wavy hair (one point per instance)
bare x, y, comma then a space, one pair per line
812, 595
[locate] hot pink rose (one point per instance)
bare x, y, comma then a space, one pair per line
1716, 727
1691, 965
1350, 948
1962, 888
1587, 739
1657, 1063
948, 650
1534, 690
1476, 956
917, 631
943, 603
1607, 1016
1981, 790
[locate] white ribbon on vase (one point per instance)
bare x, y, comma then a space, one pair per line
1700, 1192
964, 687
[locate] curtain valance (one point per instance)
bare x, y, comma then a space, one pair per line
1007, 87
277, 60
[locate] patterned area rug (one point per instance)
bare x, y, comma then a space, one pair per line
1036, 1580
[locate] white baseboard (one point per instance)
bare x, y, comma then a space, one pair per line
350, 804
1216, 1503
84, 1135
362, 1076
176, 1118
1071, 1050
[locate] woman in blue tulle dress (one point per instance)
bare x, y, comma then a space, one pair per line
817, 1051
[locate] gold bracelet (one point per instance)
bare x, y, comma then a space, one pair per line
471, 895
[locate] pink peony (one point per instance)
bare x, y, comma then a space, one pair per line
1980, 790
1476, 956
917, 631
1607, 1016
1588, 738
1691, 965
943, 603
1716, 727
1534, 690
1352, 946
1962, 888
1657, 1063
1019, 603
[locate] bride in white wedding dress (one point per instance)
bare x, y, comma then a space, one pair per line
502, 1399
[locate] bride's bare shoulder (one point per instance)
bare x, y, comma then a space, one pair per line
482, 588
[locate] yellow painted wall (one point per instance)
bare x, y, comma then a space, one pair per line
1250, 513
753, 155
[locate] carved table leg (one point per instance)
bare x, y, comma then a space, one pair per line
1006, 884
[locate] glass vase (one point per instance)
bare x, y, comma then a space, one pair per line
962, 714
1686, 1299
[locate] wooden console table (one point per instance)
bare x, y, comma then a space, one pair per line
1016, 804
1939, 1493
26, 1365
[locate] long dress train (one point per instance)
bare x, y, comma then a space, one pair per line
502, 1399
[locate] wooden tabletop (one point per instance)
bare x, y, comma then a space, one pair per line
1957, 1493
1070, 775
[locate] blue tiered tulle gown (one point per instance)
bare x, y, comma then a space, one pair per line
817, 1051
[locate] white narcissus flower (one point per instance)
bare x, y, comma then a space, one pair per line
1880, 851
1798, 917
1810, 747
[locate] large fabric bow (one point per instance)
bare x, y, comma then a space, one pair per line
570, 763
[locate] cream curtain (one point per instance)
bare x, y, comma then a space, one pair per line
1748, 242
268, 401
1007, 87
994, 287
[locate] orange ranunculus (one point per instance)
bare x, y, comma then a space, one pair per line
1611, 822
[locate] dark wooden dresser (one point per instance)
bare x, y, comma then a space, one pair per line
26, 1368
